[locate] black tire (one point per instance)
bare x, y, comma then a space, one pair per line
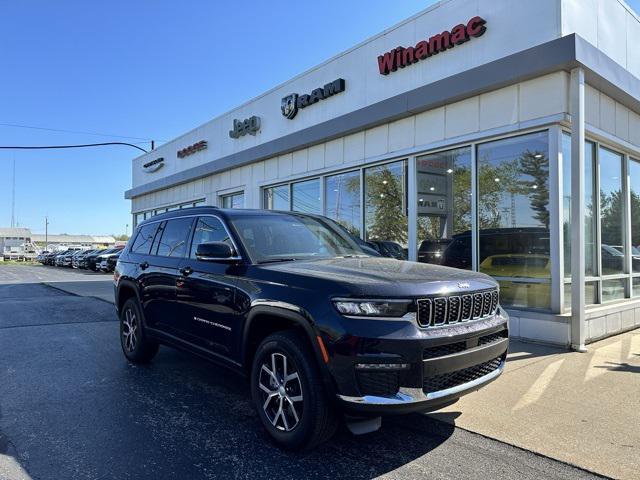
304, 397
136, 346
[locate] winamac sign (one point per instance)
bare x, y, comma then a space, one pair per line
401, 57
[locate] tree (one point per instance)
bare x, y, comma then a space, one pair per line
536, 166
121, 238
385, 195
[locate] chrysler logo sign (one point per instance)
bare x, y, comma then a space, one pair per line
292, 103
153, 165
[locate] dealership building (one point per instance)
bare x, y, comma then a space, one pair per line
490, 135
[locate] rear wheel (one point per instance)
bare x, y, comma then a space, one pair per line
289, 394
136, 346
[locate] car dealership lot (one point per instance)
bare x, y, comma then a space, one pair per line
72, 407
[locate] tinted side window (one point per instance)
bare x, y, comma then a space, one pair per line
175, 236
142, 243
208, 229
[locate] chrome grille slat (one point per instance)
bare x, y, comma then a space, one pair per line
444, 310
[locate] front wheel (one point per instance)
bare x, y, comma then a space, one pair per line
289, 394
136, 346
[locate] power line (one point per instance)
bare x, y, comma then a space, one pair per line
15, 125
83, 145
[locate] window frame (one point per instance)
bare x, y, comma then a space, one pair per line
628, 275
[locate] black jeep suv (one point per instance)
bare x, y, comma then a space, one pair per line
319, 326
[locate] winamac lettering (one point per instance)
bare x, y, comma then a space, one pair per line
401, 57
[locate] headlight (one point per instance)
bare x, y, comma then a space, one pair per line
373, 308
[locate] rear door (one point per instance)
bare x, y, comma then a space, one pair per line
158, 272
207, 293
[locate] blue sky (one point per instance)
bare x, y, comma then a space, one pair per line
147, 69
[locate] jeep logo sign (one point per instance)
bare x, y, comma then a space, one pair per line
153, 165
242, 127
292, 103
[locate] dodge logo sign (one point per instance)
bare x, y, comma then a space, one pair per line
290, 105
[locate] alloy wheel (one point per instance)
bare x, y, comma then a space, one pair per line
281, 392
130, 330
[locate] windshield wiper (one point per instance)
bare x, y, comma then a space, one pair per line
276, 260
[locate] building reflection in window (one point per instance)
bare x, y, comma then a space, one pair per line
444, 208
235, 200
276, 198
306, 196
342, 200
513, 217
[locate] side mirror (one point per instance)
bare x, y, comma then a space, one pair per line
212, 251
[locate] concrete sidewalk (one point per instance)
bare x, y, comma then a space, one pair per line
580, 408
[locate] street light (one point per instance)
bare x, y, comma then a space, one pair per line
46, 233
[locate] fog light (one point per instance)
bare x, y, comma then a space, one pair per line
382, 366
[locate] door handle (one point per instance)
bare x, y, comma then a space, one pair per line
186, 271
144, 265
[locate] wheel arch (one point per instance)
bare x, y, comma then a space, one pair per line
264, 320
126, 289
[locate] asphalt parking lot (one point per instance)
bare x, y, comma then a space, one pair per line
71, 407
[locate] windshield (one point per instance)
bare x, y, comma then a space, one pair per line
284, 237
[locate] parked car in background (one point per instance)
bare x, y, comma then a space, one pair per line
94, 262
67, 258
49, 258
389, 249
43, 255
76, 261
91, 260
109, 261
319, 327
59, 258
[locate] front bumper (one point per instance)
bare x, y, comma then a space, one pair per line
433, 372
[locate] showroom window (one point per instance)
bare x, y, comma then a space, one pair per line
634, 193
513, 218
607, 274
305, 196
139, 217
342, 200
444, 208
301, 196
277, 198
234, 200
385, 213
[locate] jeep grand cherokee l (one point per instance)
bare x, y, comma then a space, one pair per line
319, 327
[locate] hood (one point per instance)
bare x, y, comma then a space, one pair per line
386, 276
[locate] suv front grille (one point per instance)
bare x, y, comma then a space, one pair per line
459, 377
437, 311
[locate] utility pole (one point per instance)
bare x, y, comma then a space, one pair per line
46, 233
13, 195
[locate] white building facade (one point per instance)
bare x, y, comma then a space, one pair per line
490, 135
